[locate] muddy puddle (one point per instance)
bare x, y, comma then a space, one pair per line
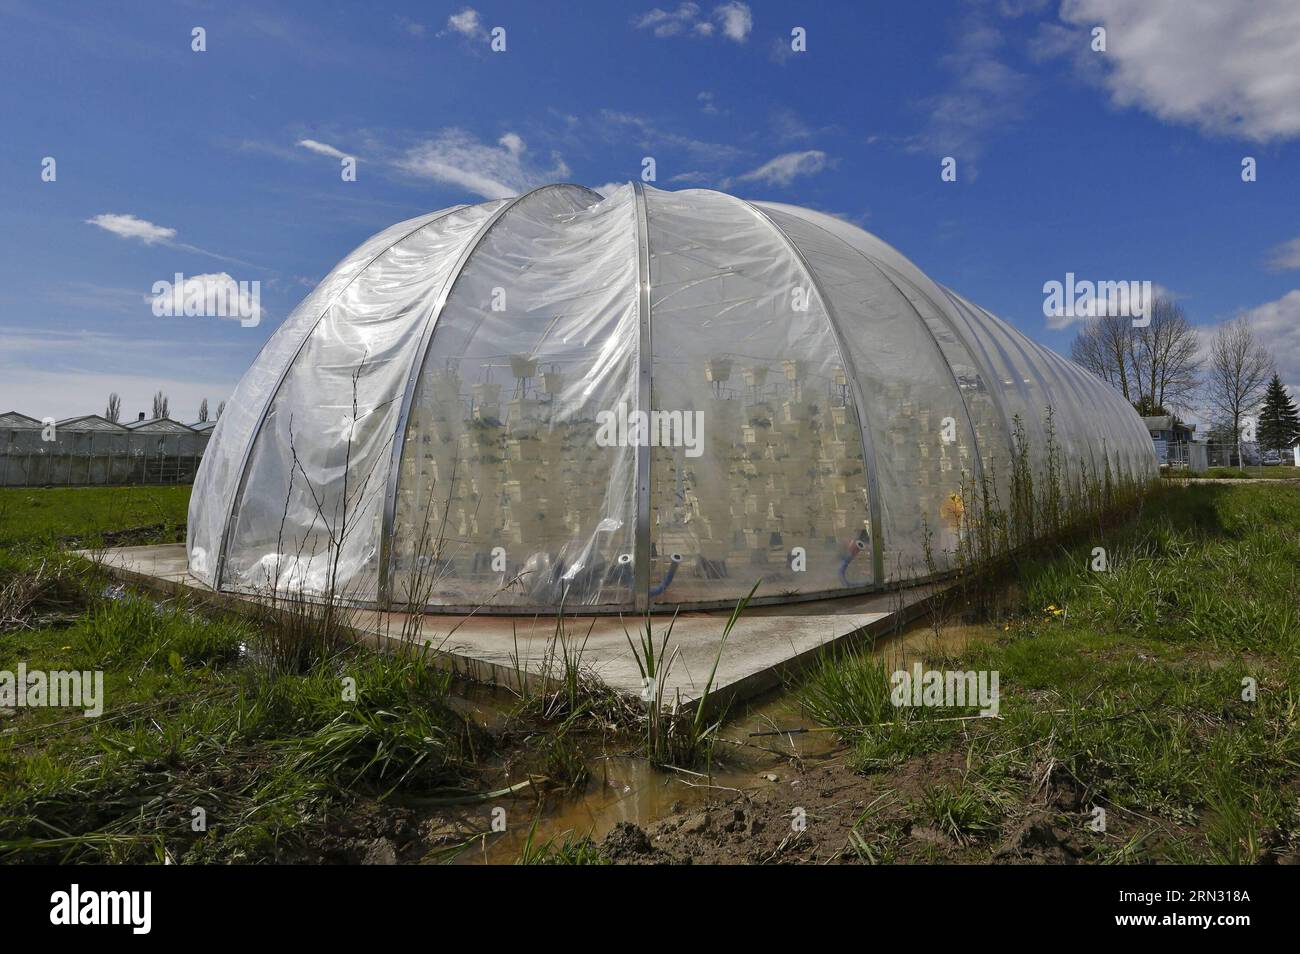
627, 789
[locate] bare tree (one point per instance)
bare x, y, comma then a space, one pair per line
203, 411
1239, 370
159, 405
114, 410
1154, 366
221, 406
1163, 359
1102, 347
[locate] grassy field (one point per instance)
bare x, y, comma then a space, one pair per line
1240, 473
1161, 692
211, 746
1176, 674
92, 516
1148, 713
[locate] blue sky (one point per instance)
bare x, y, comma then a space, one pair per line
1117, 165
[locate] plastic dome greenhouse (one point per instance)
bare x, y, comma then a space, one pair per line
646, 400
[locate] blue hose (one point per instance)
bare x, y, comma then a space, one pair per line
668, 578
856, 547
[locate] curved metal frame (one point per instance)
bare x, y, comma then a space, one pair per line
859, 409
986, 373
940, 299
644, 398
231, 510
970, 422
417, 369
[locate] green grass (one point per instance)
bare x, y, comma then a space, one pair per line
1127, 686
564, 849
1278, 472
196, 717
42, 515
186, 725
285, 738
1124, 687
851, 690
965, 812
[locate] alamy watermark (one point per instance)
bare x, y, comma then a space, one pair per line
209, 296
132, 909
1087, 299
946, 689
38, 688
628, 428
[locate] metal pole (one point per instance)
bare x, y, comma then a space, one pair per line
644, 403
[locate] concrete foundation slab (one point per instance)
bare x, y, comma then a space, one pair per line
766, 644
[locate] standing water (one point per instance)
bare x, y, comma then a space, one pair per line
625, 788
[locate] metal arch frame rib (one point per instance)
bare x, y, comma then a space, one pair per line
389, 516
644, 396
986, 372
938, 349
868, 445
227, 528
939, 297
943, 359
981, 349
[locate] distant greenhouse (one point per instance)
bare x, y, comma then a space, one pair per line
454, 416
90, 449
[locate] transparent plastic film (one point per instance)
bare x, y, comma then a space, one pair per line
758, 471
919, 425
512, 492
220, 474
309, 512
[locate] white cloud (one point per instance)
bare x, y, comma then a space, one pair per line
669, 23
615, 127
783, 169
733, 18
512, 143
780, 52
736, 21
985, 93
56, 394
456, 157
1018, 8
467, 24
411, 26
789, 125
1277, 327
1227, 67
1285, 257
322, 148
608, 188
127, 226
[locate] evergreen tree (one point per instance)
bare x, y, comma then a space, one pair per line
1279, 422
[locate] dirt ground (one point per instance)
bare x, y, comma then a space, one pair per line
812, 817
